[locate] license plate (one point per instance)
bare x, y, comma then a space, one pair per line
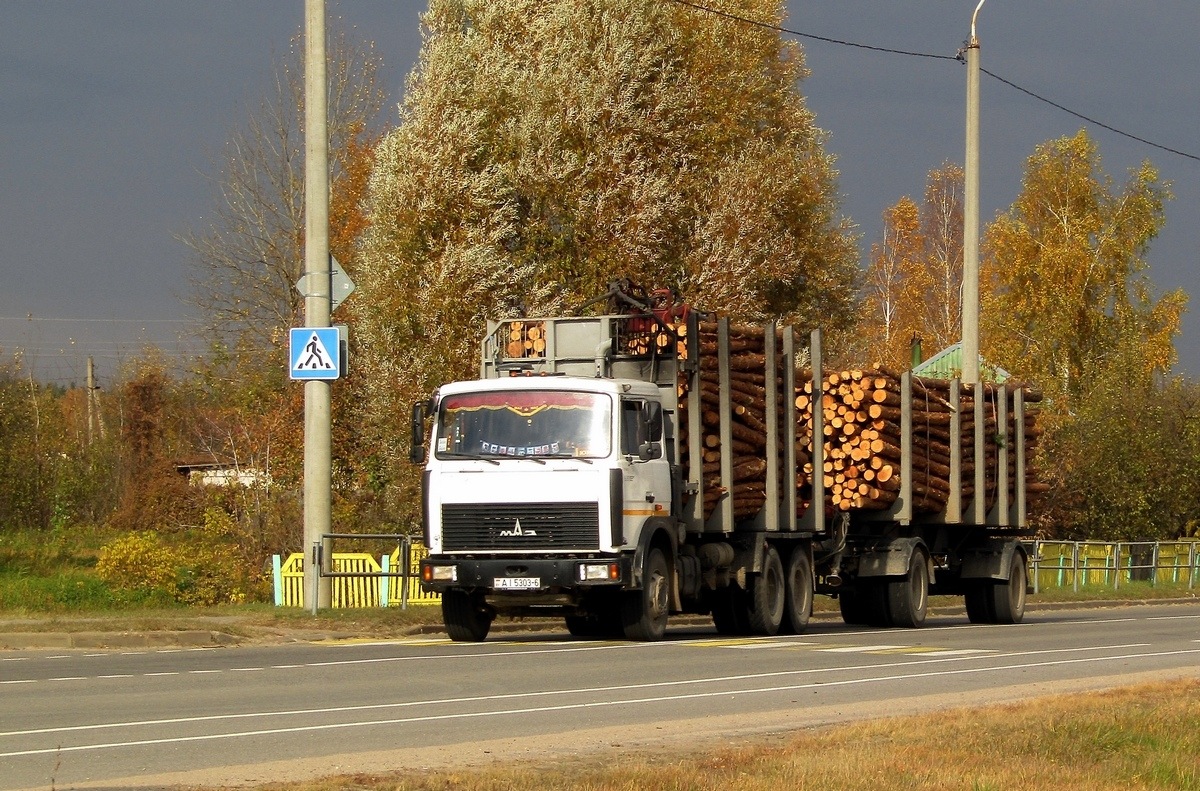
517, 583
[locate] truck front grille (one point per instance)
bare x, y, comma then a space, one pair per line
526, 526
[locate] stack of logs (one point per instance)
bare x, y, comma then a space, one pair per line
526, 339
862, 439
861, 433
748, 418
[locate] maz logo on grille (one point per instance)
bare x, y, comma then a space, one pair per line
517, 530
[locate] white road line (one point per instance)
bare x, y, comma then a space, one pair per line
576, 706
859, 649
814, 671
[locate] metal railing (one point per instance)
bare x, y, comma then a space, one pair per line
1082, 564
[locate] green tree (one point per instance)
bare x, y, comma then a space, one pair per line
547, 148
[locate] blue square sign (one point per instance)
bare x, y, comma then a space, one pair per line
314, 353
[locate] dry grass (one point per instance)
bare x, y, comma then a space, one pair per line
1145, 737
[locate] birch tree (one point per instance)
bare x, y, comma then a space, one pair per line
1068, 290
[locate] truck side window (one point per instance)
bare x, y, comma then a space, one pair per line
631, 426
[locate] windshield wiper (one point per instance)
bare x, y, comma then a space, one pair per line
584, 459
471, 456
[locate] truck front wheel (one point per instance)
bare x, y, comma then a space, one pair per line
466, 617
644, 612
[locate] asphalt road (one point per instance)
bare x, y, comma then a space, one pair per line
267, 713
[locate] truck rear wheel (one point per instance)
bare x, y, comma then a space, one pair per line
466, 617
799, 599
767, 595
908, 596
644, 612
1008, 597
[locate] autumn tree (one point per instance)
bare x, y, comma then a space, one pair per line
547, 148
1067, 292
894, 287
942, 255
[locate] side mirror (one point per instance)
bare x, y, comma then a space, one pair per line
417, 453
648, 451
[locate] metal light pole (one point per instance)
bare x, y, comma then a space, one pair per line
970, 295
318, 479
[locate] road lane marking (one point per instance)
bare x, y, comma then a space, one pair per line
576, 706
581, 691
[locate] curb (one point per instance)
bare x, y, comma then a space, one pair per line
191, 638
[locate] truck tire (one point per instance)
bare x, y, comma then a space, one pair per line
466, 617
644, 612
767, 595
908, 596
1008, 597
799, 600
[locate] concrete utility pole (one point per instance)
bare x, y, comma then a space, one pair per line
318, 478
970, 296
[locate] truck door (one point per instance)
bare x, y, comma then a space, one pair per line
645, 472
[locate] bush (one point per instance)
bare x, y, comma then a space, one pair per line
203, 568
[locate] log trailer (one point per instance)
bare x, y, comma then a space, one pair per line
614, 470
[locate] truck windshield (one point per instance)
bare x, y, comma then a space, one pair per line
528, 423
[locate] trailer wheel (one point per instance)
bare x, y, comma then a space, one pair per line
767, 595
644, 612
1008, 597
860, 605
466, 617
799, 586
908, 596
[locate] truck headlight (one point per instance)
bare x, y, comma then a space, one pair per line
599, 572
435, 573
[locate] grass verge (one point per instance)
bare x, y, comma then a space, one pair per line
1143, 737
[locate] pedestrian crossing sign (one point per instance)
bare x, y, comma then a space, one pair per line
315, 353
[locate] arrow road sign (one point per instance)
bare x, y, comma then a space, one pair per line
340, 284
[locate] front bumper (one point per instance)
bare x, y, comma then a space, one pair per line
521, 576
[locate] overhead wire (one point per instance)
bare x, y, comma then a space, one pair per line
934, 56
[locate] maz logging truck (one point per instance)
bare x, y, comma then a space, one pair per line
614, 470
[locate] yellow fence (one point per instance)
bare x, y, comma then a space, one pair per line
381, 582
1080, 564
